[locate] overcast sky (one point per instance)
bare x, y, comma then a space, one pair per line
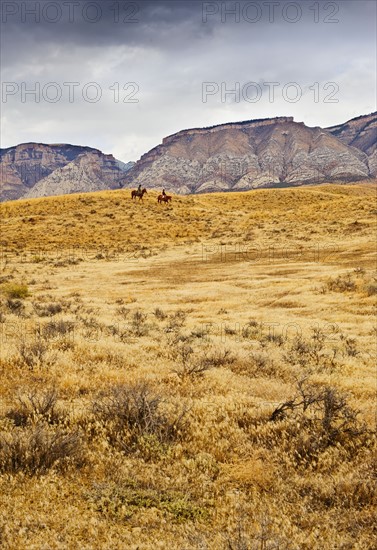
120, 76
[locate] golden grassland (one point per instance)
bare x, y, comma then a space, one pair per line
198, 375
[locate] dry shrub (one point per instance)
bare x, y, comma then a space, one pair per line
264, 536
55, 329
315, 419
47, 310
139, 326
36, 449
160, 314
176, 321
306, 352
191, 364
260, 364
216, 359
252, 330
15, 291
371, 289
36, 406
186, 366
134, 420
342, 283
15, 306
34, 353
121, 501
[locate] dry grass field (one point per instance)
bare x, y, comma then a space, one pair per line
198, 375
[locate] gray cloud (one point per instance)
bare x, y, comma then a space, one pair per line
172, 49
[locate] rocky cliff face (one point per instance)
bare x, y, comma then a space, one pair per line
247, 155
88, 172
228, 157
360, 132
36, 169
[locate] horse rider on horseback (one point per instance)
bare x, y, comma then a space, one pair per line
163, 193
139, 189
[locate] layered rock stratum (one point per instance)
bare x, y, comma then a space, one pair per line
360, 132
258, 153
235, 156
37, 170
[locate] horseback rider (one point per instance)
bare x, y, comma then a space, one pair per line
139, 189
163, 193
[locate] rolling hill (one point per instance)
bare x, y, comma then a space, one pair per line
193, 375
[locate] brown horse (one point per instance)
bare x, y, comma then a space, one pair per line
163, 198
136, 193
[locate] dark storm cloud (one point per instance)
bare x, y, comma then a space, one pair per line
164, 52
105, 22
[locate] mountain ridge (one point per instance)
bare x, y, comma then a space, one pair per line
250, 154
231, 156
32, 169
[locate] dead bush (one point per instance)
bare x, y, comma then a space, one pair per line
342, 283
35, 352
251, 330
188, 363
36, 449
325, 420
47, 310
370, 289
15, 306
160, 314
265, 537
350, 346
131, 413
216, 359
56, 329
273, 338
123, 312
15, 290
34, 407
139, 326
313, 351
176, 321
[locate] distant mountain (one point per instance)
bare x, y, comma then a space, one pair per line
235, 156
255, 153
91, 171
360, 132
38, 169
124, 166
